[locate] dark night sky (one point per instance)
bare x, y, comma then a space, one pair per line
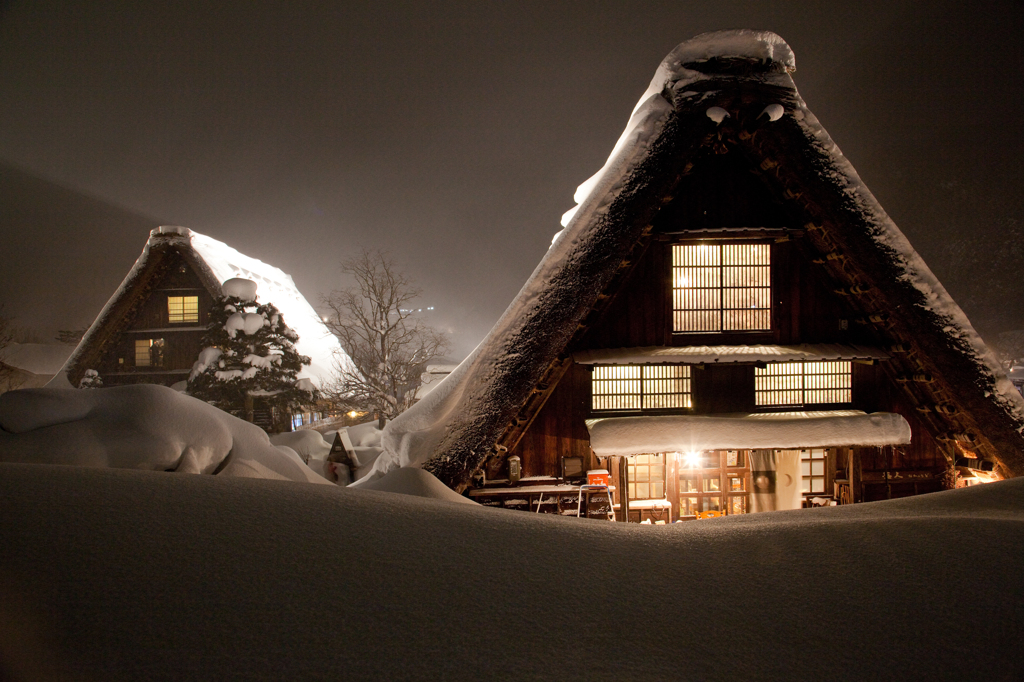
454, 134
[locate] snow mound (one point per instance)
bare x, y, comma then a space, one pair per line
144, 426
307, 443
240, 287
130, 575
415, 482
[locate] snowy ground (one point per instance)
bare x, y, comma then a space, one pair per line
117, 574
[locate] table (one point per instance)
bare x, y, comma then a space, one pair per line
534, 495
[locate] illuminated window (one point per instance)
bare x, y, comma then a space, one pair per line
803, 383
647, 477
812, 470
721, 287
641, 387
149, 352
710, 482
182, 308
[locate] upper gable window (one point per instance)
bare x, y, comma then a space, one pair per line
803, 383
641, 387
721, 288
182, 308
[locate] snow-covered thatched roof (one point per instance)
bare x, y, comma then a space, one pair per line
726, 92
215, 262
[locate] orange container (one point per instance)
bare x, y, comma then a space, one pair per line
597, 477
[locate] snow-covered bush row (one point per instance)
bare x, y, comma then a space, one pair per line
139, 427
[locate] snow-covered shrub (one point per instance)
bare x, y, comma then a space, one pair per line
91, 379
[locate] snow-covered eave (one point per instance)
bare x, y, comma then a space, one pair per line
611, 436
695, 355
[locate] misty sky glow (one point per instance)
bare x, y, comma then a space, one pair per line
454, 134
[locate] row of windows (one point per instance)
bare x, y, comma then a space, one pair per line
641, 387
655, 387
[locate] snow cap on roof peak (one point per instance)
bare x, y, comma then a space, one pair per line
244, 289
734, 45
170, 230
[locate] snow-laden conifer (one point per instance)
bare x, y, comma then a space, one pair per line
249, 354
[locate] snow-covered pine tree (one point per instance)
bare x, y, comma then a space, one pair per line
249, 353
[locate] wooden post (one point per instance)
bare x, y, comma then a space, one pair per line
856, 494
624, 488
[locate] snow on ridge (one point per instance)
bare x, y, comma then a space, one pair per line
739, 43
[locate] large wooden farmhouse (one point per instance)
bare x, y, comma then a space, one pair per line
729, 322
150, 329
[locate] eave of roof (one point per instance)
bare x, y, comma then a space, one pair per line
611, 436
700, 355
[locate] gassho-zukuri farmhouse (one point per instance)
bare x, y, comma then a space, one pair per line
728, 322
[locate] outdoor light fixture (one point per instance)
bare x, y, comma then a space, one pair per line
692, 459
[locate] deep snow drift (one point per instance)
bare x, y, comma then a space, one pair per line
139, 427
116, 574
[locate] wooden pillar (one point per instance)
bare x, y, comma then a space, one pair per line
856, 494
624, 489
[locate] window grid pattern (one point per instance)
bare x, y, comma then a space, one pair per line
812, 470
182, 308
721, 287
710, 484
641, 387
149, 352
803, 383
647, 477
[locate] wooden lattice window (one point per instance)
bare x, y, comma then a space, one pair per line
647, 477
182, 308
721, 287
803, 383
641, 387
149, 352
812, 470
715, 480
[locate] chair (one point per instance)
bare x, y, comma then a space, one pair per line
586, 491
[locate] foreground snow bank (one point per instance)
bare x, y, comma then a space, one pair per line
115, 574
139, 427
414, 482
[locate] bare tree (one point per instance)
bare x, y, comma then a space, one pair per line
387, 344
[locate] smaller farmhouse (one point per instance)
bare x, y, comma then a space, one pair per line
150, 329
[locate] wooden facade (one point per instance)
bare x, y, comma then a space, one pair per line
150, 320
